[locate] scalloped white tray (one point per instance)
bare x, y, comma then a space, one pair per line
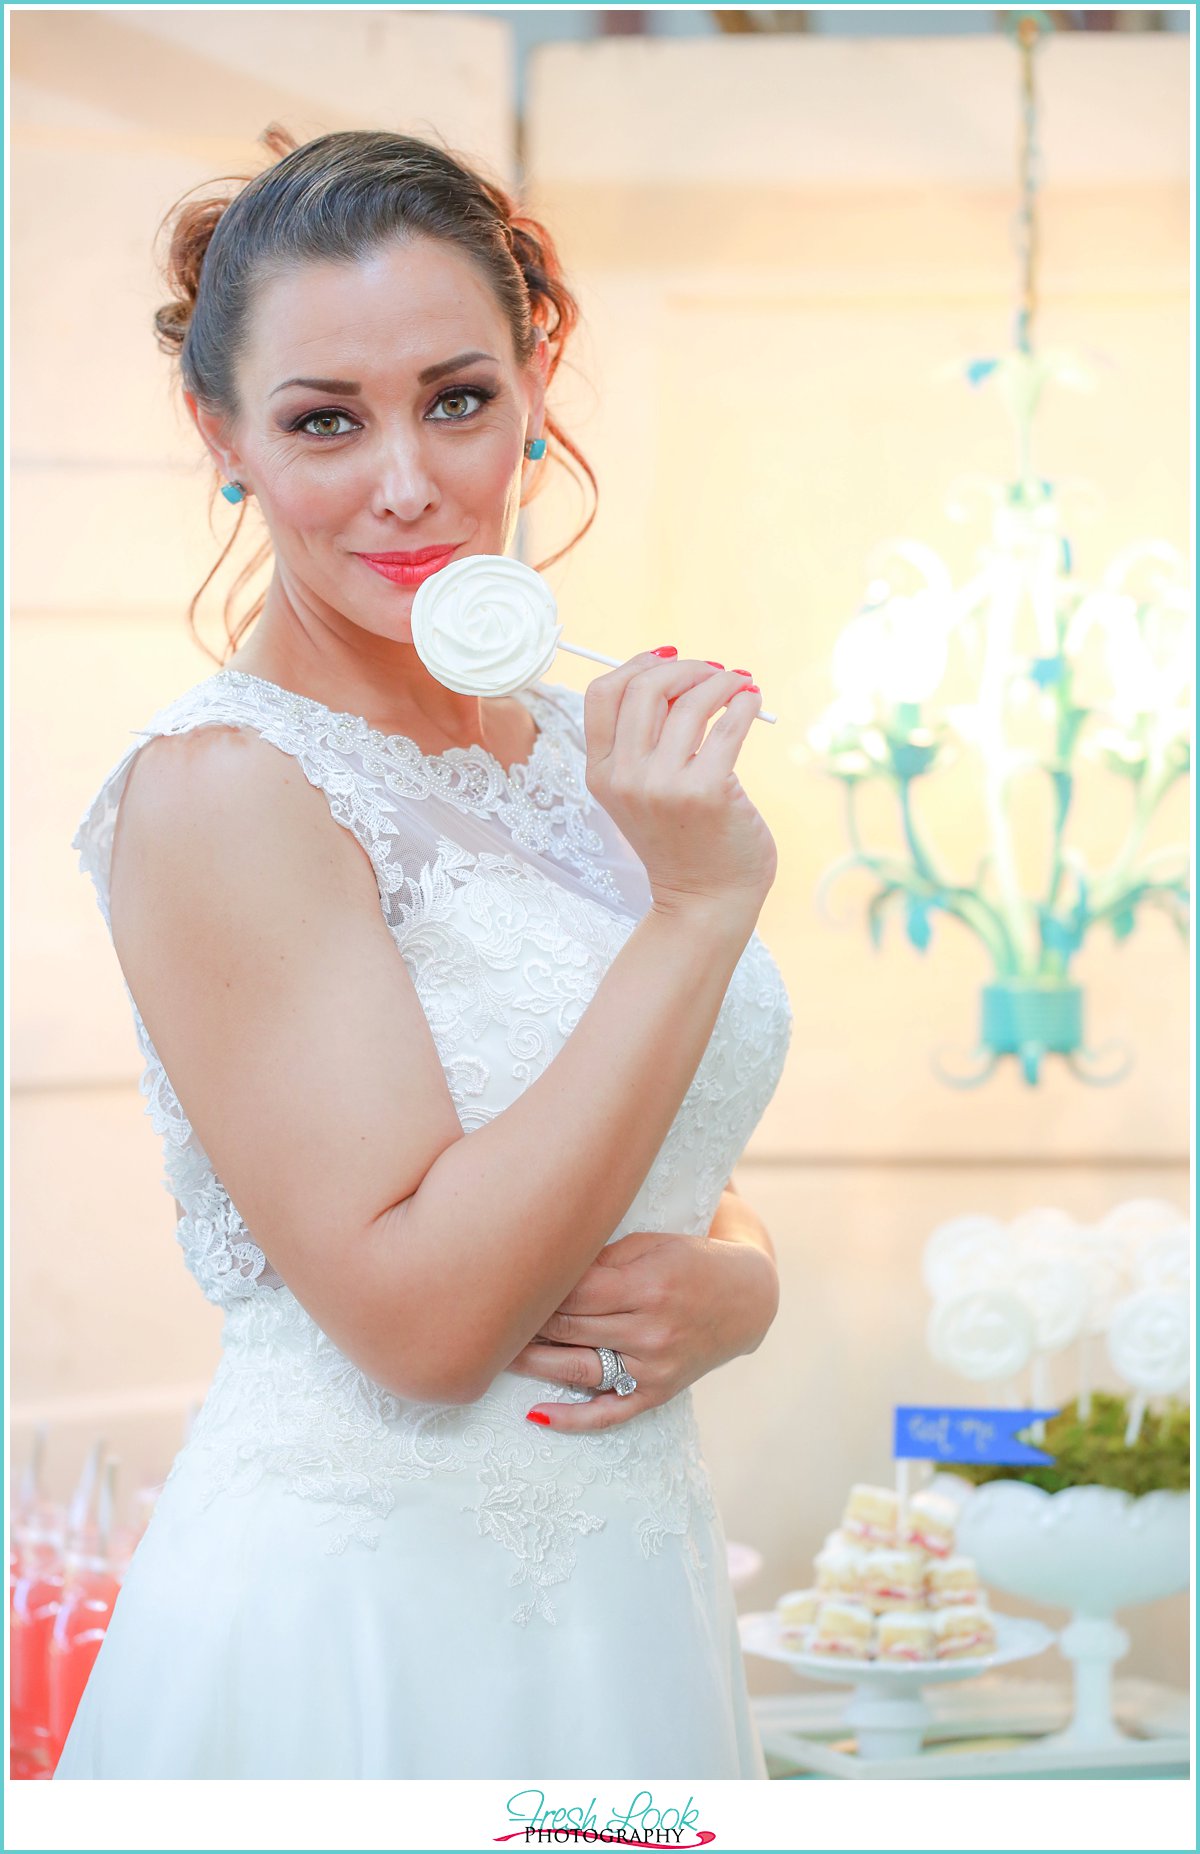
1017, 1637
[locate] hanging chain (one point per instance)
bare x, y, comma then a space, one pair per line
1027, 28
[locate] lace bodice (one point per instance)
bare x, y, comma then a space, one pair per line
507, 895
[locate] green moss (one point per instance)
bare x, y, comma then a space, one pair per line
1092, 1452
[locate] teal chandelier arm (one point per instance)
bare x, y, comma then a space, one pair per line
924, 890
1035, 642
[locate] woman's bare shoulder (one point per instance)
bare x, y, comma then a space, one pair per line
220, 800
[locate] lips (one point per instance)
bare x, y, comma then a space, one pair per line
417, 558
411, 568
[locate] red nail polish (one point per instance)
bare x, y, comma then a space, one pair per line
752, 688
738, 672
665, 650
535, 1416
714, 665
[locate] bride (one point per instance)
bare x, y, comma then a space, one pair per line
444, 1511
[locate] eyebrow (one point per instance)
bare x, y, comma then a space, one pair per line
425, 378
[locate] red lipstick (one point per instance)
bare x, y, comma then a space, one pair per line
409, 569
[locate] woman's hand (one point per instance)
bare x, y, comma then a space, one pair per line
674, 1306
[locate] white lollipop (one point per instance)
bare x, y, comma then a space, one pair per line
1164, 1260
984, 1335
1131, 1225
1101, 1254
1045, 1225
487, 625
1149, 1343
968, 1252
1055, 1290
1140, 1216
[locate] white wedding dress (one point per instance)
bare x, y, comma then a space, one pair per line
336, 1582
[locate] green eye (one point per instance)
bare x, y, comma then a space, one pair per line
482, 393
302, 424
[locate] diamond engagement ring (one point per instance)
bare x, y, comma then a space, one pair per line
615, 1376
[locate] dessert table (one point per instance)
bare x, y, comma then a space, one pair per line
986, 1727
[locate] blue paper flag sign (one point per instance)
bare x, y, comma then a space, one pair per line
966, 1436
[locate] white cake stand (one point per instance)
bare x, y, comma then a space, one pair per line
1094, 1550
888, 1714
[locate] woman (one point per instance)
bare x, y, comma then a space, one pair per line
444, 1511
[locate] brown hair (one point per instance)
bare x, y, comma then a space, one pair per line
338, 197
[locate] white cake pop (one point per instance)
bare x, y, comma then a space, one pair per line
1164, 1259
1055, 1290
985, 1335
1149, 1341
965, 1253
1045, 1225
1141, 1216
1101, 1252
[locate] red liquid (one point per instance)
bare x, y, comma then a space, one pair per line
78, 1629
36, 1599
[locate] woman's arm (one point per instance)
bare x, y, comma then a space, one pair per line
754, 1283
675, 1307
249, 930
736, 1222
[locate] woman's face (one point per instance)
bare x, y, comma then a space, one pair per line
392, 450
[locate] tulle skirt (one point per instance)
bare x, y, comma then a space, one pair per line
242, 1646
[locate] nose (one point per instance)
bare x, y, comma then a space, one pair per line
403, 481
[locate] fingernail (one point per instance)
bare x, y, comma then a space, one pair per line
752, 688
714, 665
665, 650
535, 1416
738, 672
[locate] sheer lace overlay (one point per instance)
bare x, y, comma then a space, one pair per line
507, 894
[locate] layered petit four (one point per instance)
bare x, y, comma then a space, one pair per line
890, 1586
929, 1522
905, 1635
839, 1565
872, 1514
965, 1628
797, 1611
951, 1580
893, 1578
843, 1627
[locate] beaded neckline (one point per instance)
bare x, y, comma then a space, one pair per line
544, 710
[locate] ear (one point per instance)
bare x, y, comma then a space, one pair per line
539, 368
213, 429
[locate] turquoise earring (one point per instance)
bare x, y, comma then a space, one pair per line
535, 448
232, 492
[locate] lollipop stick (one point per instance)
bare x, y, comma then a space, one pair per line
577, 650
1040, 1387
1137, 1411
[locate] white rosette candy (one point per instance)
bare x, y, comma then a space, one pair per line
968, 1252
1136, 1227
485, 625
1140, 1216
1045, 1226
1164, 1260
1149, 1343
985, 1335
1056, 1292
